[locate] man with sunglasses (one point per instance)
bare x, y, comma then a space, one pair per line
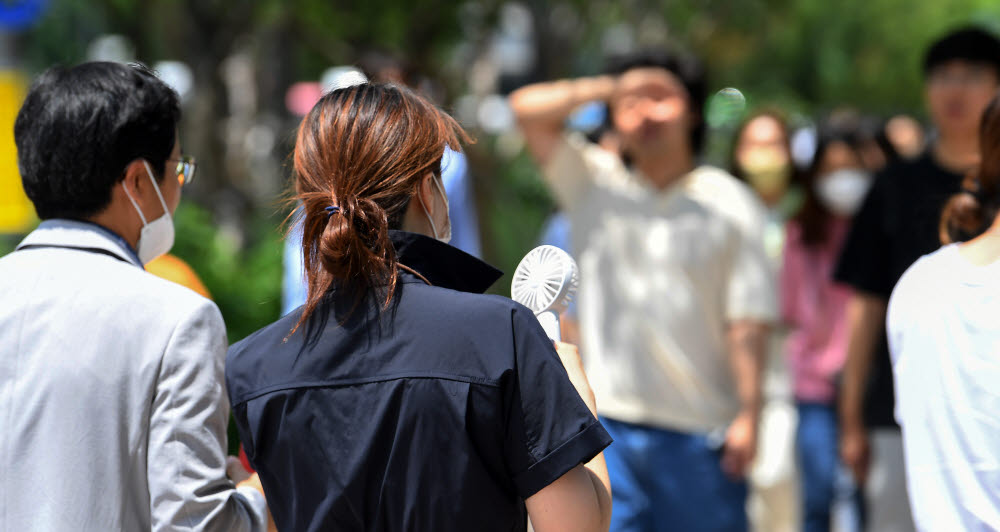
112, 402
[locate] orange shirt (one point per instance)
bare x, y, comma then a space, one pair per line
174, 269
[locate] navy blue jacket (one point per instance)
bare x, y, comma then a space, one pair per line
442, 413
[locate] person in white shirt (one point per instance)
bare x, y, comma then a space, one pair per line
944, 339
113, 408
675, 289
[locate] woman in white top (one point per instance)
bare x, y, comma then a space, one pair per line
944, 336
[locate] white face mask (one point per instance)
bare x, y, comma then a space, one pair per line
446, 237
157, 237
842, 191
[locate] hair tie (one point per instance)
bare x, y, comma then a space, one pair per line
331, 210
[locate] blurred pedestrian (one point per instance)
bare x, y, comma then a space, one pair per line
675, 290
814, 309
761, 156
894, 227
944, 339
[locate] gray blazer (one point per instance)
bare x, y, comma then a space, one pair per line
113, 412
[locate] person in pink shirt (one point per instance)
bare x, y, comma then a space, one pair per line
814, 308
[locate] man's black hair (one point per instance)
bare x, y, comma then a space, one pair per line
970, 43
80, 127
687, 68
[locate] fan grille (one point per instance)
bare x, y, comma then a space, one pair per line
545, 279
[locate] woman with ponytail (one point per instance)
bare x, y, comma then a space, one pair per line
399, 397
944, 336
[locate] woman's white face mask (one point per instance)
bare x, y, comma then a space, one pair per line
157, 237
842, 191
446, 236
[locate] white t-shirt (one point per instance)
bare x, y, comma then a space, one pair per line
944, 336
661, 275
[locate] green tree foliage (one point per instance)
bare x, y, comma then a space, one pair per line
245, 281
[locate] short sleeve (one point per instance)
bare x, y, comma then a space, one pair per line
574, 167
908, 298
549, 429
895, 317
864, 262
751, 293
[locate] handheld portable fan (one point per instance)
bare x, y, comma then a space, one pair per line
545, 281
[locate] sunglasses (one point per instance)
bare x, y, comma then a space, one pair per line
186, 166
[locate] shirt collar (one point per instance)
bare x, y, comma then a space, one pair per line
76, 233
443, 265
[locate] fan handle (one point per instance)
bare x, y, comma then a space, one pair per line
550, 322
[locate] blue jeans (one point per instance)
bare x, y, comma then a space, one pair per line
667, 480
816, 443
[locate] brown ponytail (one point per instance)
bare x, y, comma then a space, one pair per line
359, 157
971, 212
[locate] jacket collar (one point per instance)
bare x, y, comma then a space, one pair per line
441, 264
73, 233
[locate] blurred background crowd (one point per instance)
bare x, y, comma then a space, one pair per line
247, 72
